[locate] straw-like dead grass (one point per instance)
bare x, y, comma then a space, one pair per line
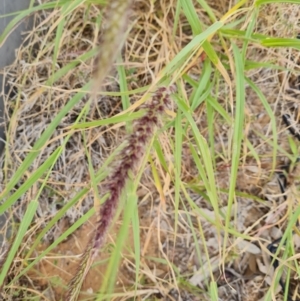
170, 268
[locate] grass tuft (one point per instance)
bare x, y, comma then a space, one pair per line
201, 207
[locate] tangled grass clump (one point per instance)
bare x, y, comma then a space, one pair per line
197, 223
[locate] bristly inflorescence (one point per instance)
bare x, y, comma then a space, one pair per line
112, 38
131, 156
129, 161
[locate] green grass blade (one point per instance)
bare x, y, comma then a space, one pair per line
108, 121
69, 67
177, 167
123, 84
25, 223
195, 44
213, 291
202, 87
208, 9
33, 179
160, 155
281, 42
263, 2
196, 25
217, 107
137, 243
237, 132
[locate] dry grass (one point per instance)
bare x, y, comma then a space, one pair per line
170, 266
